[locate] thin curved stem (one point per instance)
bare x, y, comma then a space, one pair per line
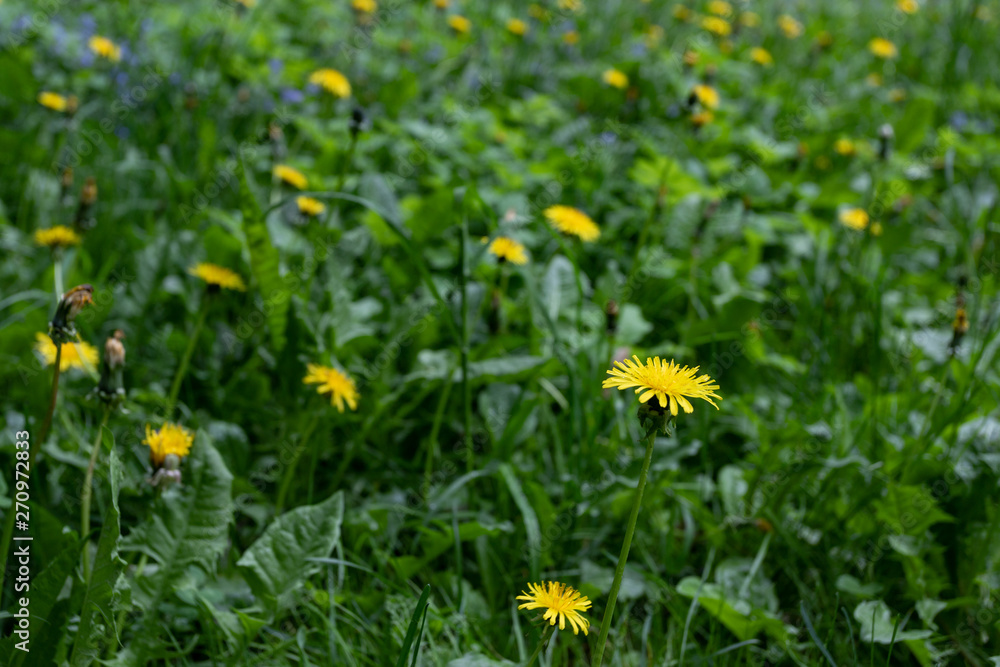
175, 387
88, 493
623, 557
541, 645
286, 481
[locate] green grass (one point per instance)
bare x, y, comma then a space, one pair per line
837, 509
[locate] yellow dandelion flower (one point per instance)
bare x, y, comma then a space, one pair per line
331, 381
331, 81
844, 147
750, 19
702, 118
707, 95
571, 5
672, 384
875, 229
882, 48
364, 6
57, 102
59, 236
459, 24
310, 206
571, 37
855, 218
761, 56
575, 222
105, 48
517, 27
682, 13
508, 250
293, 177
218, 276
720, 8
791, 27
74, 354
560, 602
169, 439
907, 6
615, 78
719, 26
441, 4
874, 80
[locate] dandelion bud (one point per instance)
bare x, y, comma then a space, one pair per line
885, 137
88, 196
61, 327
611, 316
357, 123
111, 387
169, 473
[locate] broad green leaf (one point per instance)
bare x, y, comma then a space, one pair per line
877, 624
738, 616
914, 125
279, 560
97, 615
265, 264
45, 590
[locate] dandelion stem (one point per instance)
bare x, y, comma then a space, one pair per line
290, 470
623, 557
175, 388
8, 529
463, 276
88, 492
541, 644
348, 158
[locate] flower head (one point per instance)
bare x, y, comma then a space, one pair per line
74, 354
441, 4
570, 5
708, 96
459, 24
331, 81
334, 382
517, 27
844, 146
615, 78
750, 19
719, 26
855, 218
560, 602
720, 8
309, 206
571, 37
293, 177
791, 27
57, 102
575, 222
218, 276
882, 48
59, 236
170, 439
110, 387
364, 6
70, 304
682, 13
508, 250
761, 56
105, 48
672, 384
907, 6
702, 118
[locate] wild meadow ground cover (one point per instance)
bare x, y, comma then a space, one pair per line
379, 332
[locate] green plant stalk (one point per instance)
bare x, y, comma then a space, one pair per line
88, 493
175, 387
432, 443
541, 644
8, 528
348, 159
463, 277
623, 557
290, 470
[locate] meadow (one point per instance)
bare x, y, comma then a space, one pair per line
375, 332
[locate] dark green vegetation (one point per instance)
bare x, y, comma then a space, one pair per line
844, 493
